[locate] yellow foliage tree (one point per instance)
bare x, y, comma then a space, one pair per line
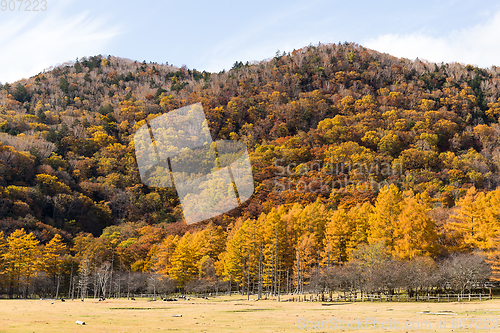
212, 240
359, 218
415, 232
184, 260
384, 217
475, 222
21, 259
243, 259
165, 252
306, 258
3, 249
51, 185
53, 258
277, 246
313, 219
338, 232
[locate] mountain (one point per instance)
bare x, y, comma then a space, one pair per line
67, 161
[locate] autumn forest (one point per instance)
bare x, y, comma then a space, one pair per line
415, 195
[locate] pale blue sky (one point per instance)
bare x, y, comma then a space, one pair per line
212, 35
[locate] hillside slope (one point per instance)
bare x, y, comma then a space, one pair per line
67, 163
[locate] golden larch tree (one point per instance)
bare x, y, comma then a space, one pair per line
415, 232
52, 259
384, 217
21, 259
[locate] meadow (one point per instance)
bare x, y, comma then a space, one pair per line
237, 314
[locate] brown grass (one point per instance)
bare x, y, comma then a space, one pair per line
228, 314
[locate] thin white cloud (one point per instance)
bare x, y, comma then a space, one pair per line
36, 41
261, 38
477, 45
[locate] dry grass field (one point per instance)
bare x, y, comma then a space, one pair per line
236, 314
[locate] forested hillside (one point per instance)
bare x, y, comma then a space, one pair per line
351, 150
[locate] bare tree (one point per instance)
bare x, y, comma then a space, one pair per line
120, 202
103, 275
136, 282
421, 274
162, 285
83, 281
464, 271
152, 282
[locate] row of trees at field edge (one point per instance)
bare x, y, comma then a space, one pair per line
292, 248
50, 271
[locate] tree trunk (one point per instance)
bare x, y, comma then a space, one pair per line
128, 285
58, 283
260, 274
70, 281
